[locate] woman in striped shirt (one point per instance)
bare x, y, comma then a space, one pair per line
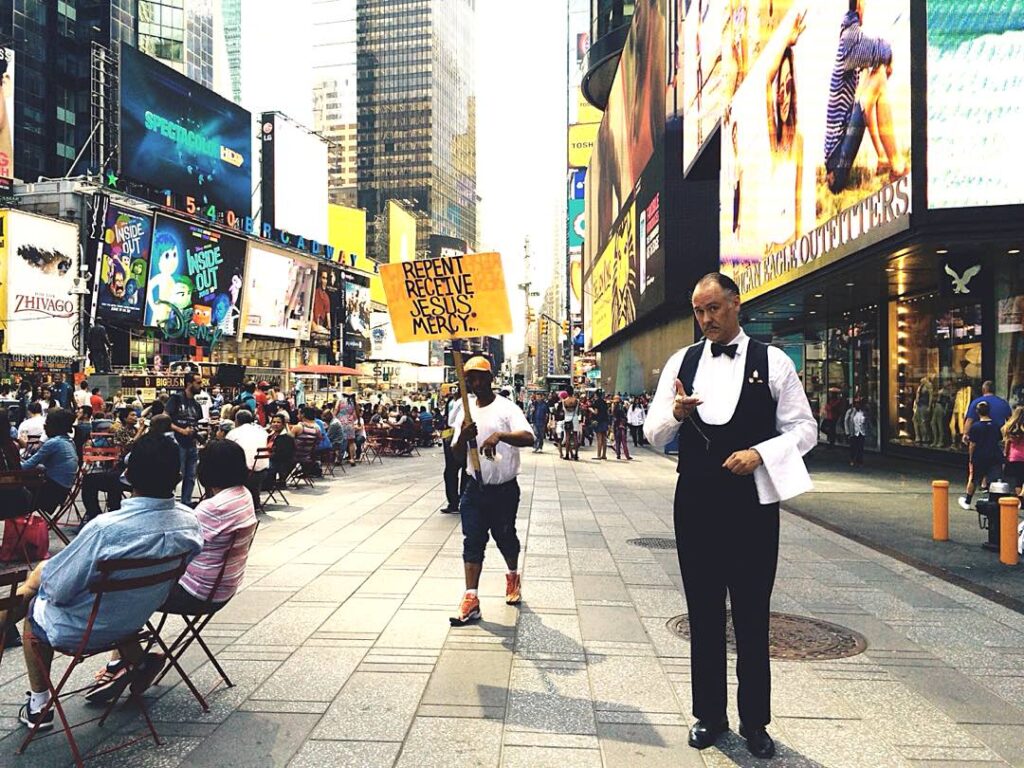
227, 507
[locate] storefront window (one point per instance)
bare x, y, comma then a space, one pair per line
1009, 373
938, 370
853, 371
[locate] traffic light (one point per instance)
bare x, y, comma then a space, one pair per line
529, 350
565, 327
543, 327
530, 316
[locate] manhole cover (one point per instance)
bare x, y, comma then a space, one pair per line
794, 638
653, 542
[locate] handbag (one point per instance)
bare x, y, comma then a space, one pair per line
35, 539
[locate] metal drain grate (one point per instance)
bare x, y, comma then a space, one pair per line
794, 638
653, 542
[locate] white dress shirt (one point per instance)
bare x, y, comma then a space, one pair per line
251, 437
718, 382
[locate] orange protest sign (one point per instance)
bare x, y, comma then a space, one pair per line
451, 297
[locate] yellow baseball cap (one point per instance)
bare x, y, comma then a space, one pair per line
478, 364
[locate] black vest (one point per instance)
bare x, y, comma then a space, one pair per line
753, 422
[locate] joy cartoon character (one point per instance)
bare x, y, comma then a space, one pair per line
163, 285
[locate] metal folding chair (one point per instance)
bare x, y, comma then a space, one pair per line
167, 571
9, 602
238, 545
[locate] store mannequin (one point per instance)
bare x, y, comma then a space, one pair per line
942, 409
960, 405
923, 413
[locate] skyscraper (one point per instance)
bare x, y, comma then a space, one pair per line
180, 34
417, 114
334, 92
231, 21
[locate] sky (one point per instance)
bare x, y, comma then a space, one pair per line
521, 92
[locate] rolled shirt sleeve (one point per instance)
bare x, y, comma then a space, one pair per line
660, 427
783, 474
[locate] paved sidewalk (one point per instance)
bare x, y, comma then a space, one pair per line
342, 654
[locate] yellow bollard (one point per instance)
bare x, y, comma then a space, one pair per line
1008, 506
940, 510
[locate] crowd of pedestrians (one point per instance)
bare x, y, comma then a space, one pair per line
571, 420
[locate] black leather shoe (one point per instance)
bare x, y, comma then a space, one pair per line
704, 734
759, 743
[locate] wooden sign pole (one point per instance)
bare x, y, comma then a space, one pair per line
472, 450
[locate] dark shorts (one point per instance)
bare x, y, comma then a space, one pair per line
986, 469
600, 426
489, 509
840, 162
1014, 470
185, 603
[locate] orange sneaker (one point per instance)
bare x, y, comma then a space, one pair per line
513, 589
469, 611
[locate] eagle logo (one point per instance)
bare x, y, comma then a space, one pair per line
960, 281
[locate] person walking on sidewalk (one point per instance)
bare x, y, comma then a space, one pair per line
572, 426
497, 428
635, 416
599, 410
619, 422
985, 453
741, 447
454, 469
998, 409
1013, 437
539, 419
856, 430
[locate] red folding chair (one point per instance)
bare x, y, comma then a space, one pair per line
238, 545
8, 603
168, 571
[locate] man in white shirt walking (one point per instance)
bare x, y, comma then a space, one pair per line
497, 428
744, 424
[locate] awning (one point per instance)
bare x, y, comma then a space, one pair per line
326, 370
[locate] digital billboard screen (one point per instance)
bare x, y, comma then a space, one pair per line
178, 136
401, 233
294, 174
975, 102
122, 263
279, 293
623, 269
328, 304
357, 321
195, 281
6, 113
816, 159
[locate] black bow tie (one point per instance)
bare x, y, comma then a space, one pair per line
724, 349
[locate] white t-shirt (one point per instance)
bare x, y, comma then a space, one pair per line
500, 416
32, 428
251, 437
82, 397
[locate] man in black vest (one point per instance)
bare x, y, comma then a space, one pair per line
744, 424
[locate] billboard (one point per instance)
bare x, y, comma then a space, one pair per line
401, 233
975, 102
385, 348
279, 293
6, 113
122, 263
178, 136
623, 271
581, 143
328, 304
815, 159
195, 281
294, 177
357, 321
577, 223
38, 264
703, 33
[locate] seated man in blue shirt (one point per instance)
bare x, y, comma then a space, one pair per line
58, 457
56, 596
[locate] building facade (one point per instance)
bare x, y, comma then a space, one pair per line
416, 129
231, 23
334, 92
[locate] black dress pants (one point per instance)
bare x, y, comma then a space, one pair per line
110, 483
454, 476
727, 542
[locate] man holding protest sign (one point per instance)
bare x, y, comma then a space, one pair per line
497, 428
459, 297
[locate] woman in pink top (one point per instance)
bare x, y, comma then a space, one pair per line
1013, 436
227, 507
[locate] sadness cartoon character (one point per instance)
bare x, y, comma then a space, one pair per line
162, 286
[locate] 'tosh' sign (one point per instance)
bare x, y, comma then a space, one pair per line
447, 298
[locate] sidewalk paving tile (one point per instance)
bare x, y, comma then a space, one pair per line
439, 742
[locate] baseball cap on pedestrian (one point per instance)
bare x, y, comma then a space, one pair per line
477, 363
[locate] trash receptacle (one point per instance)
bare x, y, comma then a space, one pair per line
988, 513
